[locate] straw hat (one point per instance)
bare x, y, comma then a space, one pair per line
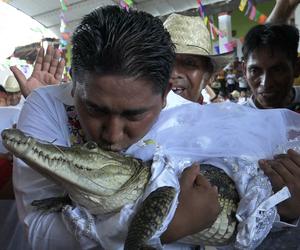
11, 85
190, 36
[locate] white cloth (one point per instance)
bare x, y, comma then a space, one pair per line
8, 117
214, 137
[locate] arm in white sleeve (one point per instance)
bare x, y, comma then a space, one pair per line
45, 119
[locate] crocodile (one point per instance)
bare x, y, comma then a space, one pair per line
104, 181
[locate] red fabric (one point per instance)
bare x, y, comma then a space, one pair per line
5, 171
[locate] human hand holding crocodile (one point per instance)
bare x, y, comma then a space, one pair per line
196, 194
284, 170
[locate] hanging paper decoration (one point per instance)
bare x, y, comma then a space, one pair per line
63, 4
200, 8
242, 5
126, 4
129, 2
248, 8
252, 13
230, 45
208, 21
205, 20
62, 26
217, 49
213, 32
217, 31
65, 34
262, 19
257, 15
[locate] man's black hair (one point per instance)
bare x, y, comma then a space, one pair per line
282, 37
114, 41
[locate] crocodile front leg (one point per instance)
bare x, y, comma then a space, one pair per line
53, 204
149, 218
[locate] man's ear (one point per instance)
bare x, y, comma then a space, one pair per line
297, 67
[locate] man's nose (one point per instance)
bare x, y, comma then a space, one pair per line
265, 80
113, 128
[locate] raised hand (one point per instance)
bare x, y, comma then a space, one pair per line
198, 206
282, 11
48, 69
292, 2
284, 170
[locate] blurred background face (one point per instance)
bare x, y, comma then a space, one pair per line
190, 75
270, 75
13, 99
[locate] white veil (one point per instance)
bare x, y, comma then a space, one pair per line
234, 138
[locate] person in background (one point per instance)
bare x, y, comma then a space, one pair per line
221, 78
195, 63
243, 85
243, 97
216, 85
271, 64
230, 79
3, 97
13, 92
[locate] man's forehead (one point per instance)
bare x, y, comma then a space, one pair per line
268, 51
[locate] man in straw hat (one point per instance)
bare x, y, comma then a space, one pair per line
3, 96
13, 91
195, 62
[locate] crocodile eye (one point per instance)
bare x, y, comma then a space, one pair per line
91, 145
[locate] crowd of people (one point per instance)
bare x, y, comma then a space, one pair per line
129, 71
